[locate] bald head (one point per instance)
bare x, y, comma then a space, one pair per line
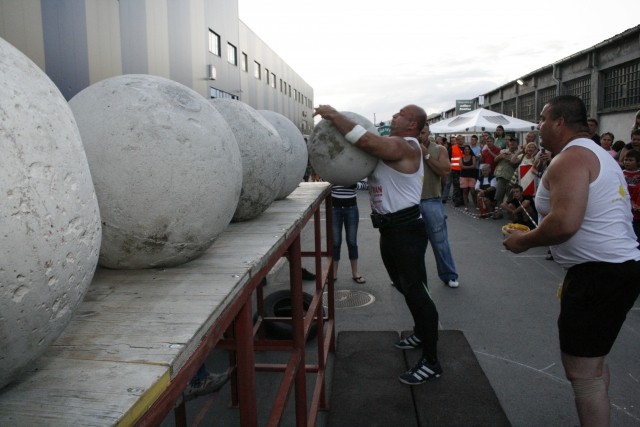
418, 114
409, 121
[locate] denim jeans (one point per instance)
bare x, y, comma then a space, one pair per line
402, 249
436, 224
348, 217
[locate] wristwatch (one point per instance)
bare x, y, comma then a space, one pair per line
427, 156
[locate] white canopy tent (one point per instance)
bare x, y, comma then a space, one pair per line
481, 120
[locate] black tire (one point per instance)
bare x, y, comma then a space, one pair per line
278, 304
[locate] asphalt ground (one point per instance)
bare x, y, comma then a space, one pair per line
506, 307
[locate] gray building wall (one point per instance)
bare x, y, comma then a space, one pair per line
80, 42
295, 101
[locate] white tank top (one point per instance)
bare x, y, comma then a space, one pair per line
606, 233
391, 191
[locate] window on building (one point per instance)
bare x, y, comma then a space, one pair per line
273, 80
217, 93
245, 63
232, 54
509, 107
214, 43
295, 94
289, 91
544, 95
581, 88
281, 85
527, 107
268, 74
257, 70
621, 86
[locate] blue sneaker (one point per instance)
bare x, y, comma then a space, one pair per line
408, 343
420, 373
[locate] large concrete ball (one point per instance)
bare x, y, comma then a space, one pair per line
49, 216
166, 169
296, 155
263, 159
334, 158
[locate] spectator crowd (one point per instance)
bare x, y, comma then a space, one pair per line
494, 175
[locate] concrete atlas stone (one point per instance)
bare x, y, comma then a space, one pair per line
295, 147
334, 158
263, 159
49, 216
165, 165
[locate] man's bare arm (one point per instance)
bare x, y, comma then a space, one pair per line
394, 150
439, 163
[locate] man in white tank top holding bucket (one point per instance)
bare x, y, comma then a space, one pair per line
584, 203
395, 186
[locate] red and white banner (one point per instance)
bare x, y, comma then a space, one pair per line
527, 180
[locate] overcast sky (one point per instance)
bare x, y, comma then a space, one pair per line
374, 57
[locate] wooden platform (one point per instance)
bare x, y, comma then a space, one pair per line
136, 330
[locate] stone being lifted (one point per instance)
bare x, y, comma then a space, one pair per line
334, 158
263, 159
295, 156
165, 165
49, 217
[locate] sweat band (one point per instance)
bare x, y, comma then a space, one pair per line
355, 134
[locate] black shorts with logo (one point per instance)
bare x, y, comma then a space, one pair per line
596, 298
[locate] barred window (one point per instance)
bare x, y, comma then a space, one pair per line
509, 107
527, 107
544, 95
581, 88
621, 86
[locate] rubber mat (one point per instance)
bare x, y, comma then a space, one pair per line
366, 392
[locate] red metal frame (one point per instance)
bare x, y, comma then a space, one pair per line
236, 332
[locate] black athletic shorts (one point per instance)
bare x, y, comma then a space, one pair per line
596, 298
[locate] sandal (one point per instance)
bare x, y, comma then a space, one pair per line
359, 279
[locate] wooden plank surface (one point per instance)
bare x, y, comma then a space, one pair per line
67, 392
135, 329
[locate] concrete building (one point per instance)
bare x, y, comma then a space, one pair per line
199, 43
606, 76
